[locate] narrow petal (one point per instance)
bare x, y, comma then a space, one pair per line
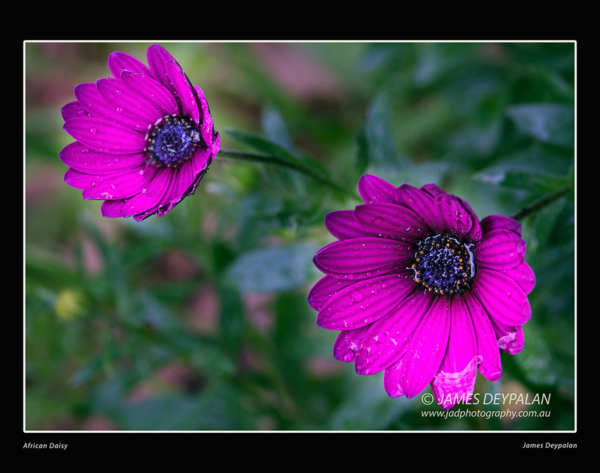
90, 99
422, 204
386, 341
201, 158
366, 301
123, 101
487, 347
363, 257
72, 110
457, 219
119, 185
87, 160
158, 58
343, 225
426, 350
184, 93
112, 208
374, 189
391, 379
510, 339
207, 125
455, 380
152, 90
501, 297
347, 343
500, 249
324, 289
118, 62
450, 388
492, 222
524, 276
105, 136
432, 189
392, 220
475, 233
150, 196
181, 184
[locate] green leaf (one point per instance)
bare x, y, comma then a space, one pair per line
535, 169
546, 122
273, 269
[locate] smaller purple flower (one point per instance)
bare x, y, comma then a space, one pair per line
145, 136
421, 289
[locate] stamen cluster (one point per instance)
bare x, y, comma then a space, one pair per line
443, 264
172, 140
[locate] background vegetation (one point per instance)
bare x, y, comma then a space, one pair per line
199, 320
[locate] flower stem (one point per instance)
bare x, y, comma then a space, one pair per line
541, 203
258, 158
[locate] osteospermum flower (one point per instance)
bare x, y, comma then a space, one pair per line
145, 136
420, 288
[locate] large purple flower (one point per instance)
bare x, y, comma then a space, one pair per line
145, 136
420, 288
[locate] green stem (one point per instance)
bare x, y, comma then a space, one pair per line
258, 158
540, 204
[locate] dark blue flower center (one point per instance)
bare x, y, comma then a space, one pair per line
443, 264
172, 140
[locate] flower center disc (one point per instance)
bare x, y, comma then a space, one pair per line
443, 264
172, 141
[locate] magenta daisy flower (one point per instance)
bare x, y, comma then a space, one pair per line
145, 136
420, 288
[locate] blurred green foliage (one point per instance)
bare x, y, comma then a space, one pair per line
199, 320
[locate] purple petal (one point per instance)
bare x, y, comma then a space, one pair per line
391, 220
181, 183
118, 62
524, 276
72, 110
475, 232
152, 90
362, 258
432, 189
501, 297
426, 350
487, 347
88, 161
105, 136
455, 380
342, 224
201, 158
90, 99
374, 189
207, 126
500, 249
510, 339
183, 93
324, 289
492, 222
123, 101
387, 339
422, 204
451, 388
347, 343
119, 185
112, 208
158, 58
455, 216
364, 302
391, 379
150, 195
